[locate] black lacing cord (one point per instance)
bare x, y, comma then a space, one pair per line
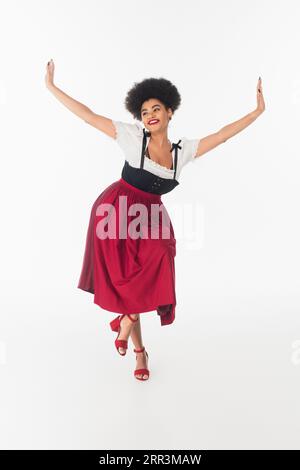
146, 134
176, 146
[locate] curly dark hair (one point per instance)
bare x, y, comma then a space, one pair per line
158, 88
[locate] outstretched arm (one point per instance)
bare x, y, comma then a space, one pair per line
213, 140
102, 123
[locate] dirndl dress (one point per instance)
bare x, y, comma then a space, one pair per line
132, 274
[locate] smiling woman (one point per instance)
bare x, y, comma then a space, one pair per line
135, 274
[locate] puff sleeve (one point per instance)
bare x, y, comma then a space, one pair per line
189, 150
187, 153
129, 138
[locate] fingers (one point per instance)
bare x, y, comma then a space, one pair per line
259, 85
50, 63
49, 72
260, 98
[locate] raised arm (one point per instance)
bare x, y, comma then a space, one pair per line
213, 140
102, 123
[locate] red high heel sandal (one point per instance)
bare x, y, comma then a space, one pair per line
141, 371
116, 326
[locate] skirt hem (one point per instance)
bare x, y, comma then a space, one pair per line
164, 320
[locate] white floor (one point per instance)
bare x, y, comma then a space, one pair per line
225, 375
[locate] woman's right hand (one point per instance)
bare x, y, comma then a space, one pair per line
49, 78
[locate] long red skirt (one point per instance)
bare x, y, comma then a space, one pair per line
127, 274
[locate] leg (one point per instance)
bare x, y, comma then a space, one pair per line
126, 326
136, 336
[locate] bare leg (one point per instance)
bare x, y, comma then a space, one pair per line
136, 336
126, 326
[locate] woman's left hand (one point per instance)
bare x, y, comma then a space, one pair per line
259, 98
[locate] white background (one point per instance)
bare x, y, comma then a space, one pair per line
225, 374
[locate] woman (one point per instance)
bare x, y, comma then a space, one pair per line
132, 271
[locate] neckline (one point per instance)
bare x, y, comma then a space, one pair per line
157, 164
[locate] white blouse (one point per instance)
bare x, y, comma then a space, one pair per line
130, 139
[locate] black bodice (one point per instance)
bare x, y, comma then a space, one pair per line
144, 179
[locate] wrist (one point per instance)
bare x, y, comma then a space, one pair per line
50, 86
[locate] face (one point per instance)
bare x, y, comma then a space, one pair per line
155, 109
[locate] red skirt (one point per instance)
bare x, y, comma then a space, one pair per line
128, 274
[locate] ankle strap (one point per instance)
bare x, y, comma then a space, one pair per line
139, 350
